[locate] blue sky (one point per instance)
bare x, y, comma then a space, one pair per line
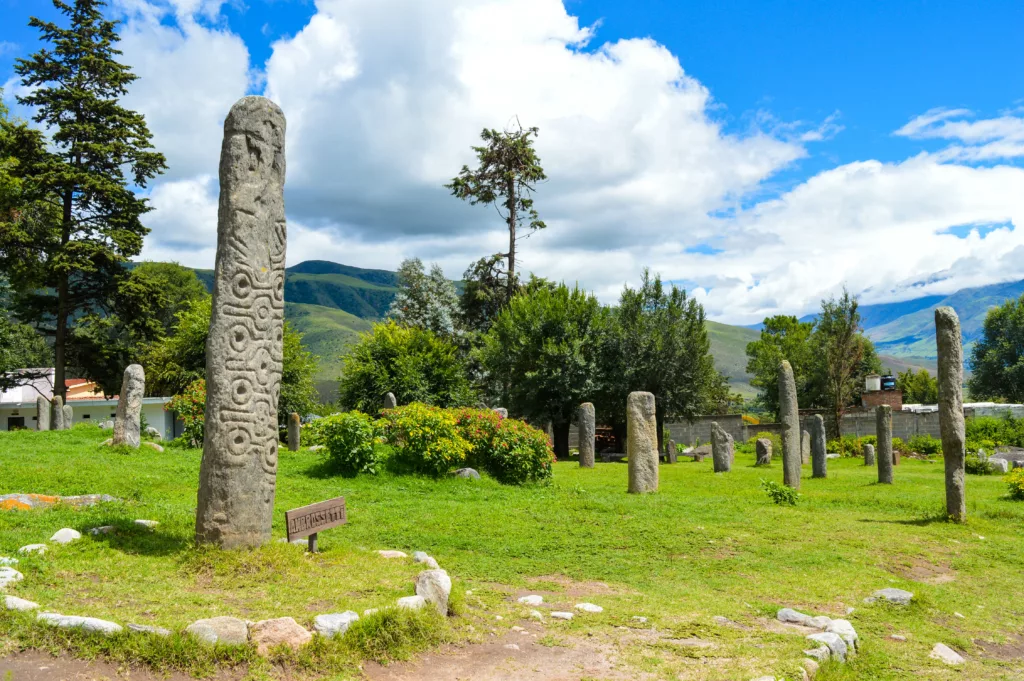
797, 140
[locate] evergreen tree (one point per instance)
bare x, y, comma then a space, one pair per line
427, 301
69, 266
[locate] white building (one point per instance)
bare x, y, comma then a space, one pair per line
18, 406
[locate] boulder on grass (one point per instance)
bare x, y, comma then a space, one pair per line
268, 634
435, 586
224, 630
334, 624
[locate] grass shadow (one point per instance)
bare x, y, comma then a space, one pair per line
916, 522
138, 540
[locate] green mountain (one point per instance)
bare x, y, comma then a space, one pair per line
729, 348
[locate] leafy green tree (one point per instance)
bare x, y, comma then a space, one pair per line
997, 359
70, 261
179, 287
21, 347
782, 337
425, 300
543, 349
506, 176
918, 388
485, 293
298, 388
415, 364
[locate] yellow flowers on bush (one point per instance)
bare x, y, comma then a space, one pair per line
1015, 481
425, 439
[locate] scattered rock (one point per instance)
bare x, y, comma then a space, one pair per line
894, 596
561, 615
412, 602
33, 548
66, 536
791, 616
435, 586
638, 618
518, 629
819, 622
511, 646
536, 614
589, 607
467, 473
845, 631
810, 667
147, 629
154, 445
956, 614
999, 465
87, 624
268, 634
154, 433
335, 624
832, 456
226, 630
531, 600
316, 448
4, 560
946, 654
835, 643
392, 554
9, 575
151, 524
106, 425
19, 604
897, 637
105, 529
821, 653
421, 557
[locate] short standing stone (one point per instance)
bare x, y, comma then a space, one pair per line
641, 443
33, 548
389, 401
268, 634
561, 615
9, 575
789, 415
435, 586
819, 452
671, 451
589, 607
585, 420
69, 416
883, 424
57, 413
19, 604
763, 449
894, 596
293, 432
244, 351
501, 411
65, 536
946, 654
532, 599
42, 413
412, 602
335, 624
869, 454
128, 421
805, 447
224, 630
721, 448
951, 408
835, 643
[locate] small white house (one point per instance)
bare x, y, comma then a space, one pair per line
18, 406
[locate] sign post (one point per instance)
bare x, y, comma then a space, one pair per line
307, 521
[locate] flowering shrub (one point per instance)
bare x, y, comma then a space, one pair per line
519, 453
191, 408
425, 439
478, 427
350, 441
1015, 481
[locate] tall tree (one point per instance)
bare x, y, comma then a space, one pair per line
485, 294
427, 301
841, 351
70, 265
782, 337
506, 177
918, 388
997, 359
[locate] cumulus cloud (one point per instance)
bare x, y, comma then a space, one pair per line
980, 140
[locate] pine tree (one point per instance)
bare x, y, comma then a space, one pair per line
70, 264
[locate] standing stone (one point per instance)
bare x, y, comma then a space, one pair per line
805, 447
586, 423
389, 401
69, 416
671, 452
238, 474
42, 413
883, 429
57, 415
951, 408
641, 443
869, 454
721, 448
501, 411
293, 432
763, 448
789, 415
819, 448
128, 421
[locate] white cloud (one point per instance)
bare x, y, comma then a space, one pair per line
982, 140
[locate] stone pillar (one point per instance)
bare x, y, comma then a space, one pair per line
294, 432
238, 474
805, 447
128, 421
789, 416
883, 428
671, 452
42, 413
641, 443
389, 401
57, 413
951, 408
585, 421
763, 448
501, 411
819, 448
721, 448
869, 454
69, 416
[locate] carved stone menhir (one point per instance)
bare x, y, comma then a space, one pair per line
238, 474
42, 413
128, 418
789, 415
585, 420
819, 448
951, 408
641, 443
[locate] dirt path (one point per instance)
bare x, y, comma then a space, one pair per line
37, 666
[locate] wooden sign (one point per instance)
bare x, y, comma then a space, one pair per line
308, 520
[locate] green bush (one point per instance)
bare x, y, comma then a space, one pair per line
976, 465
191, 408
478, 427
520, 453
1004, 430
780, 494
925, 444
425, 439
350, 441
1015, 481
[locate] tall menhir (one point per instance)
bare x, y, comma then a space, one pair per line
244, 351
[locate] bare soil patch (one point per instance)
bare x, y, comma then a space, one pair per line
922, 571
32, 665
1011, 650
570, 587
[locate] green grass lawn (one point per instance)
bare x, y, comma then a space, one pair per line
705, 545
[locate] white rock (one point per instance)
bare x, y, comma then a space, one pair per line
835, 643
87, 624
793, 617
435, 586
531, 600
33, 548
9, 575
147, 629
561, 615
517, 629
498, 617
845, 631
370, 611
224, 630
511, 646
821, 653
151, 524
589, 607
894, 596
819, 622
536, 614
956, 614
334, 624
946, 654
897, 637
412, 602
421, 557
19, 604
105, 529
65, 536
4, 560
999, 465
810, 667
392, 554
638, 618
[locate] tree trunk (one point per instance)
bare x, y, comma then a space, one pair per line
561, 433
510, 205
60, 337
659, 419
